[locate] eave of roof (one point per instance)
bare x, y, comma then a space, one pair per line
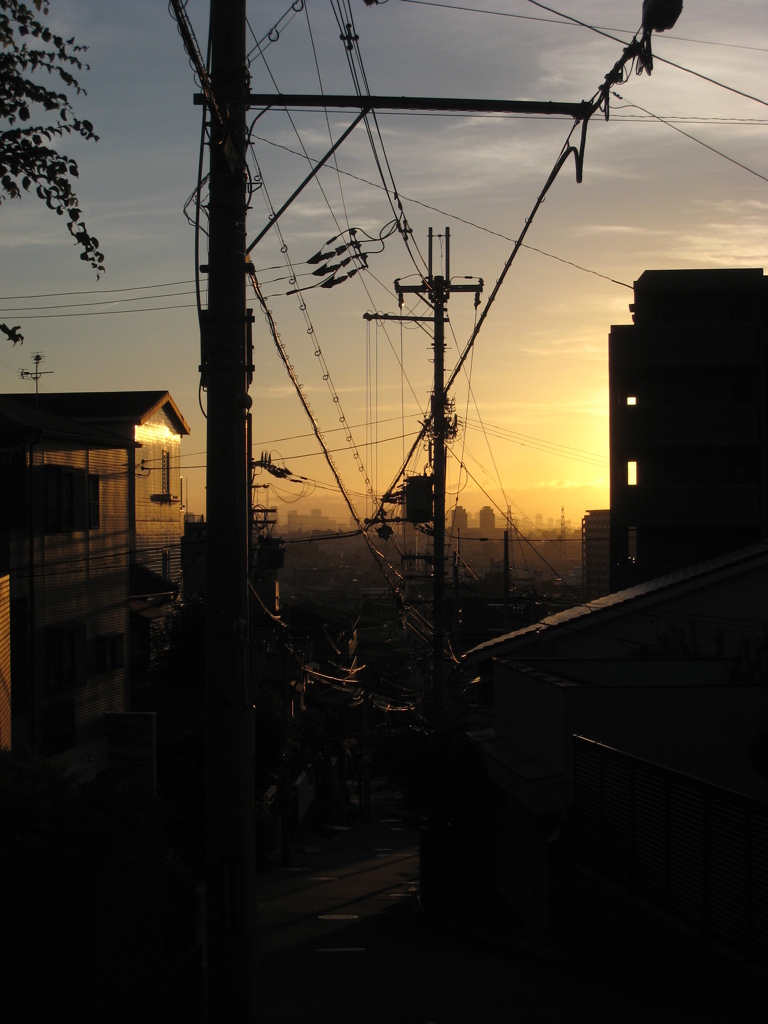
107, 406
22, 424
584, 615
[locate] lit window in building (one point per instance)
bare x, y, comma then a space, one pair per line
632, 474
631, 399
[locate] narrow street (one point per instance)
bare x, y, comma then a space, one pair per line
343, 938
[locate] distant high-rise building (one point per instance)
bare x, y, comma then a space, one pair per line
487, 519
688, 384
460, 519
596, 554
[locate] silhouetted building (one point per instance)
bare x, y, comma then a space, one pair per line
487, 520
596, 553
628, 761
688, 385
460, 520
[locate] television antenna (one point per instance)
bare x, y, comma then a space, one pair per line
35, 374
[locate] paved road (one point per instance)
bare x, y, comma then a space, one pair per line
343, 939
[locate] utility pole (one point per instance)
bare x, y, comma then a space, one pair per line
229, 712
437, 289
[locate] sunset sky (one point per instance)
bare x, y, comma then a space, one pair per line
532, 404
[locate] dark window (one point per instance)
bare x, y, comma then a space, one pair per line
71, 500
65, 656
109, 653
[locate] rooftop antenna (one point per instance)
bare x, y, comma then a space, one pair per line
35, 374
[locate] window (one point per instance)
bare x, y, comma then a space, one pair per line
71, 500
166, 473
632, 474
163, 495
631, 400
65, 656
109, 653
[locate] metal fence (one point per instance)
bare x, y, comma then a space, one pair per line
698, 852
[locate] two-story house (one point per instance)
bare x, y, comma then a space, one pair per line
154, 426
64, 581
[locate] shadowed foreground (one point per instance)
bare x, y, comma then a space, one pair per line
343, 937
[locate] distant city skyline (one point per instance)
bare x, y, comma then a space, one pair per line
339, 518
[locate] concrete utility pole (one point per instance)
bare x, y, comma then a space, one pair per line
230, 716
436, 289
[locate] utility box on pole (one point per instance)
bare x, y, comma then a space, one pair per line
419, 499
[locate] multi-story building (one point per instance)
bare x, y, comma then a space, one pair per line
487, 520
688, 383
459, 521
64, 582
595, 553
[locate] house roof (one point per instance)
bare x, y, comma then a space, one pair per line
21, 422
118, 407
590, 614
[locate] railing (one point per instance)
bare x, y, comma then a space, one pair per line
697, 852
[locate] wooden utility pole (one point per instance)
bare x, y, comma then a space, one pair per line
229, 711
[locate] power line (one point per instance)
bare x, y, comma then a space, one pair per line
462, 220
108, 312
94, 291
693, 138
571, 24
663, 60
96, 302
